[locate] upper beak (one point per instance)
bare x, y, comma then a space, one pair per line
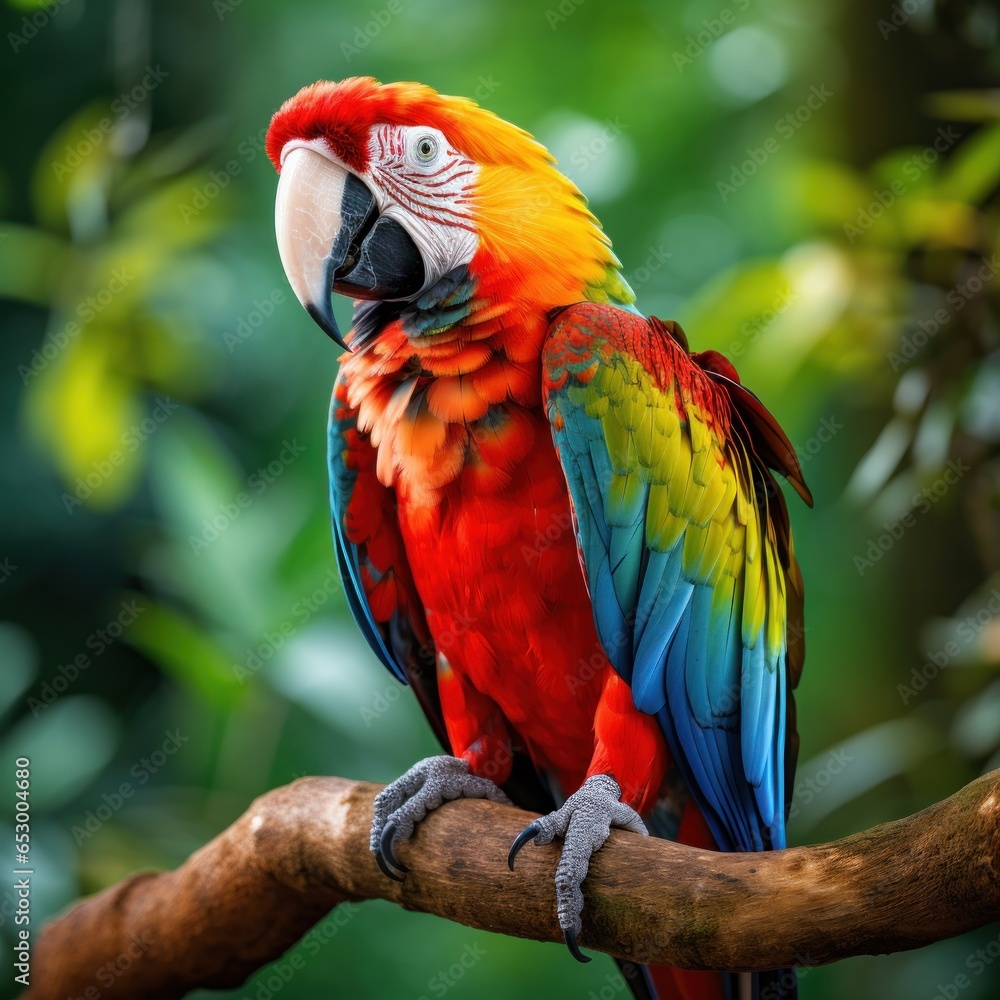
331, 238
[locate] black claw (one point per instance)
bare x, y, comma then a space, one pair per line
385, 845
528, 833
569, 936
386, 870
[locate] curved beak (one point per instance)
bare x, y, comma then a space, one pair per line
331, 238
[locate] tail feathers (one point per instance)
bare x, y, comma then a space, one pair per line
652, 982
689, 984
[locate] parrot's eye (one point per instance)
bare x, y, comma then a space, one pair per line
427, 148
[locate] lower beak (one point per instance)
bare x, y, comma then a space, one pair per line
331, 238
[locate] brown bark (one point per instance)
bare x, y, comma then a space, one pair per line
247, 896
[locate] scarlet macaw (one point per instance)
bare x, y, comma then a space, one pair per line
552, 520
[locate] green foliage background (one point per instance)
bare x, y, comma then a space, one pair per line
769, 174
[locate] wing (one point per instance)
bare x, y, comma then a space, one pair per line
373, 565
685, 544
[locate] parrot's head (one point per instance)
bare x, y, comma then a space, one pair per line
386, 189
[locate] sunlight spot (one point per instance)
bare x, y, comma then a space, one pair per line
597, 156
748, 63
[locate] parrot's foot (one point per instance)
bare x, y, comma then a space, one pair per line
584, 822
399, 807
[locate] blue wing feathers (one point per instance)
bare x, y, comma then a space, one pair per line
707, 760
654, 572
627, 546
758, 729
613, 628
778, 761
648, 689
724, 652
696, 659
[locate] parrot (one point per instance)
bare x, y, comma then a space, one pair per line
556, 523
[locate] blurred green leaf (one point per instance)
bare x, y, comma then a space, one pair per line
81, 409
965, 105
974, 169
190, 656
976, 731
830, 780
32, 263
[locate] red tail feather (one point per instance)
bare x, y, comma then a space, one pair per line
687, 984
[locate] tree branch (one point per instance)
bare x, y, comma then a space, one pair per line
251, 893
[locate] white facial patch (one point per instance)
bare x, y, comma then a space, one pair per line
427, 186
